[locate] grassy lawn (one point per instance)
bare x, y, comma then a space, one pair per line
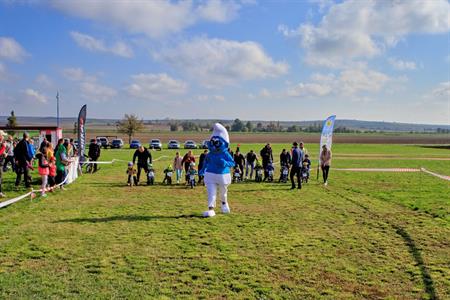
365, 236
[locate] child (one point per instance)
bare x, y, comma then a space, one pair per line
270, 169
51, 173
258, 171
131, 171
192, 172
151, 174
168, 175
43, 169
306, 162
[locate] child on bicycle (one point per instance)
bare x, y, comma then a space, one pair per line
131, 172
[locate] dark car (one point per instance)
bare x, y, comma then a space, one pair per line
135, 144
190, 145
155, 144
117, 143
173, 144
204, 144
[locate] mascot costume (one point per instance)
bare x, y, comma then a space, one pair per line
217, 170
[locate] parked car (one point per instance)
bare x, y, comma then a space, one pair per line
135, 144
173, 144
204, 144
103, 141
155, 144
190, 145
117, 143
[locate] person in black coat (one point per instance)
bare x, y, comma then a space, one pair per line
22, 160
266, 156
143, 157
94, 152
201, 162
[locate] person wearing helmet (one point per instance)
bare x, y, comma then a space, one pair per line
168, 174
131, 172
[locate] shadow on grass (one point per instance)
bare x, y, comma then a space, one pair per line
417, 256
131, 218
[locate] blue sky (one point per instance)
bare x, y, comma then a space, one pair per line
272, 60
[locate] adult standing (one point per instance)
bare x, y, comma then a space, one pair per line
143, 159
2, 161
10, 154
267, 157
42, 145
188, 158
62, 161
285, 158
250, 160
296, 163
325, 163
239, 160
21, 157
94, 152
302, 147
201, 163
178, 166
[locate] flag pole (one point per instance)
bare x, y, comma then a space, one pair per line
57, 109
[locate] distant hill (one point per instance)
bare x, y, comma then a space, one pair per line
349, 124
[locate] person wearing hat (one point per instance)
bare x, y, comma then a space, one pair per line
216, 170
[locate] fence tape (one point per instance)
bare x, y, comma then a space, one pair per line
401, 170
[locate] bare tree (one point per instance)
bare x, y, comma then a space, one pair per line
129, 125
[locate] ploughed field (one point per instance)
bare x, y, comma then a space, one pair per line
366, 235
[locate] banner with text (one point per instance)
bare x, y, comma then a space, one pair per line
81, 133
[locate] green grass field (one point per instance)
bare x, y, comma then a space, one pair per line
364, 236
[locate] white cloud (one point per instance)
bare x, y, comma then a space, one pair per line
95, 45
441, 91
73, 74
213, 98
11, 50
96, 92
265, 93
154, 86
216, 62
35, 96
89, 86
402, 65
218, 11
44, 81
153, 18
348, 83
3, 72
362, 29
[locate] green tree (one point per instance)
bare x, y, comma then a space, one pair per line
12, 123
130, 125
189, 126
249, 126
173, 126
237, 125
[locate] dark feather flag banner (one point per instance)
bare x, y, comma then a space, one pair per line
81, 133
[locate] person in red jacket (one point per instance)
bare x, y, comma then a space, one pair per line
188, 158
43, 169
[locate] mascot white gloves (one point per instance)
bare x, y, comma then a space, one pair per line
217, 169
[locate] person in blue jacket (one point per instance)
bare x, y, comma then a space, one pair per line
216, 170
296, 163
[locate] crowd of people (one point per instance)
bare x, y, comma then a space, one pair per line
52, 162
294, 164
22, 156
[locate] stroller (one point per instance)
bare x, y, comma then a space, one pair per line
284, 172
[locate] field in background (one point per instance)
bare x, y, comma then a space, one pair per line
366, 235
274, 137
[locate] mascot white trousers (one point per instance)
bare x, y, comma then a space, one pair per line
218, 183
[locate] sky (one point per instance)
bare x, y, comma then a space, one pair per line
254, 60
